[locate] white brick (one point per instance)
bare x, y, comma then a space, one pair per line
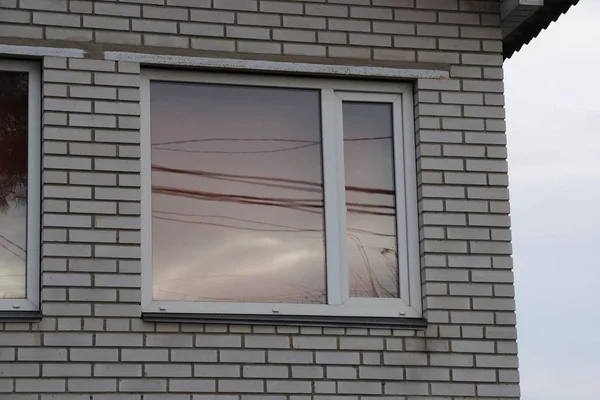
337, 357
293, 357
359, 387
167, 370
48, 18
41, 354
496, 390
407, 388
453, 389
361, 343
242, 356
222, 370
240, 386
40, 385
288, 386
314, 343
267, 342
67, 370
303, 372
143, 385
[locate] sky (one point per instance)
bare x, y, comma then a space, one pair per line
553, 128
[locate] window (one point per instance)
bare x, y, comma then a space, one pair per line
280, 196
19, 185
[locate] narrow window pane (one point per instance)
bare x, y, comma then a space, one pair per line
13, 183
237, 194
370, 199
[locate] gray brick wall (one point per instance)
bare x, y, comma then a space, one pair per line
91, 343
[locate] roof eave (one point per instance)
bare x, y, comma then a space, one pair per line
523, 20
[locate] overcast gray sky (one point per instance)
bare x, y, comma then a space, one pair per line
553, 115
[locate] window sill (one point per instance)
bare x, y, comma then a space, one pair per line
20, 316
293, 320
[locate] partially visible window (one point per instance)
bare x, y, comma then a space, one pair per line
287, 196
19, 185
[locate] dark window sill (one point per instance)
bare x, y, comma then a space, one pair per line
293, 320
20, 316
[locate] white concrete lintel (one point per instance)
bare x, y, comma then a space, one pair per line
34, 51
277, 66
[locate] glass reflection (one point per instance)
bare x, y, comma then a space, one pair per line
370, 199
13, 183
237, 196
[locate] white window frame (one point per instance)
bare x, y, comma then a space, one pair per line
333, 92
32, 296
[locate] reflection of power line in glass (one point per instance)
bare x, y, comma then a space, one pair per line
262, 140
229, 226
250, 178
21, 257
298, 204
291, 203
287, 228
11, 242
236, 152
306, 144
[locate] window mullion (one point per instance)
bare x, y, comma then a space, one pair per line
146, 189
335, 205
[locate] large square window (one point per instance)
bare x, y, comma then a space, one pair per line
278, 196
19, 185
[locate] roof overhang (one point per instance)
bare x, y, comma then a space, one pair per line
523, 20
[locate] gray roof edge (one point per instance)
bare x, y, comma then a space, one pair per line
515, 37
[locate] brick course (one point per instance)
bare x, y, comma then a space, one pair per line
91, 343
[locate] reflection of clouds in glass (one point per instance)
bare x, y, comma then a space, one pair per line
237, 194
12, 252
368, 158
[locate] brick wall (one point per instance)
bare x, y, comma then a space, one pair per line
91, 343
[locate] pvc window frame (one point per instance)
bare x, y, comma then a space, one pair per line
339, 304
10, 307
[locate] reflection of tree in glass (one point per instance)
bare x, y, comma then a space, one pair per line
372, 285
13, 139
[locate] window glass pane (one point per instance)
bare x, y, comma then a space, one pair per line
237, 196
13, 183
370, 199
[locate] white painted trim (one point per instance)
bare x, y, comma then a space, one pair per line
31, 302
333, 233
231, 78
369, 97
376, 308
146, 191
277, 66
332, 94
340, 188
412, 210
34, 51
402, 245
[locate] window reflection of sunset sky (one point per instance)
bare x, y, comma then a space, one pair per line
241, 220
